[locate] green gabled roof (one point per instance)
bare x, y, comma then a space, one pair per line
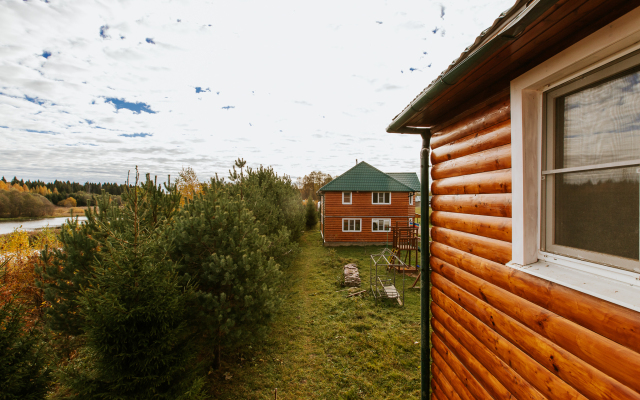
408, 178
365, 178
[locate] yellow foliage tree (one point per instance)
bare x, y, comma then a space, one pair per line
17, 187
18, 277
3, 186
188, 184
68, 202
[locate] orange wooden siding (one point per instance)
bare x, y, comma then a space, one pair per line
361, 207
499, 332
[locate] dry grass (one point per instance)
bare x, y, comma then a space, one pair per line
326, 346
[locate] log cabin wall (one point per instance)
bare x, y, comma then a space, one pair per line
361, 207
498, 332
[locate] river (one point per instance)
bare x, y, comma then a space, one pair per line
32, 225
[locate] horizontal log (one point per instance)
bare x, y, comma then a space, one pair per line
596, 350
496, 205
451, 376
520, 388
492, 227
612, 321
496, 136
491, 249
521, 363
475, 367
567, 368
444, 384
489, 160
474, 387
482, 119
483, 183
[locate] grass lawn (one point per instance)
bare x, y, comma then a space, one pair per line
326, 346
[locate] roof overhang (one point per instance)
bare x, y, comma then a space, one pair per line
526, 35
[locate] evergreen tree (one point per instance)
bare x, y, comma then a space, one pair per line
276, 203
24, 364
68, 269
218, 243
138, 343
310, 213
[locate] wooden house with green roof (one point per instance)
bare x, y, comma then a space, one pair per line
360, 206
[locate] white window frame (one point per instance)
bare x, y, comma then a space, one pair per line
379, 193
378, 219
608, 44
350, 198
351, 219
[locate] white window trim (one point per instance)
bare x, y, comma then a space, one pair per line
378, 219
349, 219
378, 203
611, 42
350, 197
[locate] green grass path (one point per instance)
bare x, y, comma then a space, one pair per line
325, 346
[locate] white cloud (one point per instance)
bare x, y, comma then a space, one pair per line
312, 85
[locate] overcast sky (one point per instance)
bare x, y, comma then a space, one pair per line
89, 89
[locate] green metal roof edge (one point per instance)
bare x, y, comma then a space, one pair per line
459, 69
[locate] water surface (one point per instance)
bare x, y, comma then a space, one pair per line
8, 227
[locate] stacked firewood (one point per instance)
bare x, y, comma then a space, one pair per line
351, 275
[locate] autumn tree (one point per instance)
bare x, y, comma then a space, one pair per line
188, 184
309, 184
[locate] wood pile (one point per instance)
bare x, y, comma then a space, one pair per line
351, 275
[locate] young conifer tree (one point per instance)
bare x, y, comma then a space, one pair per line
68, 269
218, 243
310, 213
134, 313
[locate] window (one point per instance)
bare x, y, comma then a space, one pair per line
346, 197
381, 198
351, 225
591, 166
594, 271
380, 225
411, 199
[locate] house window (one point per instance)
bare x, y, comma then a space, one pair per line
411, 199
591, 166
346, 197
351, 225
380, 225
381, 198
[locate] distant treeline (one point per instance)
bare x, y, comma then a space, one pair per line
58, 191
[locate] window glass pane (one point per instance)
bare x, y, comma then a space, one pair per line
375, 226
600, 124
375, 197
386, 225
387, 197
346, 225
351, 224
357, 224
598, 211
347, 197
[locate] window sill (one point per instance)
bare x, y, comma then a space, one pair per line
606, 283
